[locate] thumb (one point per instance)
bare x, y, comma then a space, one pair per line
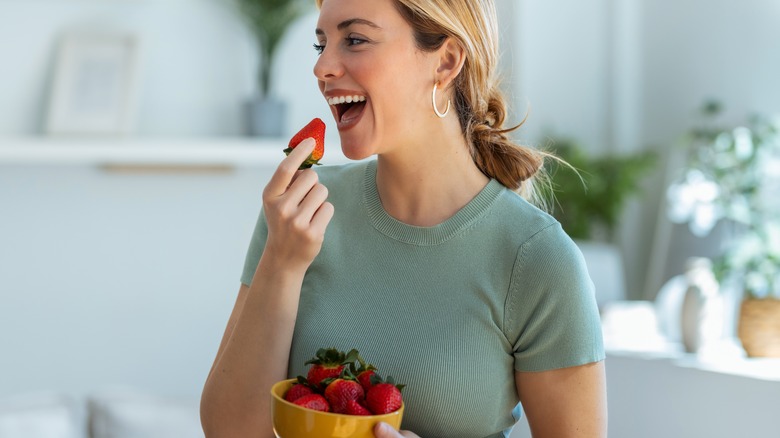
384, 430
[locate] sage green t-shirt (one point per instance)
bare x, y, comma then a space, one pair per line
453, 310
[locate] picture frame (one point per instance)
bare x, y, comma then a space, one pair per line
94, 85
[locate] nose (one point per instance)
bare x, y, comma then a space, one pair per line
328, 66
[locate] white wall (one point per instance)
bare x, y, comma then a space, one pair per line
114, 279
197, 62
562, 63
694, 50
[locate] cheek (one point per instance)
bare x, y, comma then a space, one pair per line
400, 89
398, 86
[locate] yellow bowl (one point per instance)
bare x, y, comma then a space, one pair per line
293, 421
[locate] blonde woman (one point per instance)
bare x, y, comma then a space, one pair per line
430, 259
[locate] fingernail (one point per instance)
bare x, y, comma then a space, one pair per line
384, 428
308, 142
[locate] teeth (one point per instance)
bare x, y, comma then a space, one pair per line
346, 99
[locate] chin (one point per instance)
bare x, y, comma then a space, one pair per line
355, 149
355, 153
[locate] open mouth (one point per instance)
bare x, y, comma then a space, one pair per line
348, 108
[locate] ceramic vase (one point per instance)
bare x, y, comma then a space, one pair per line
702, 315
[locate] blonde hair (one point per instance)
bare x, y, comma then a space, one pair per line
478, 99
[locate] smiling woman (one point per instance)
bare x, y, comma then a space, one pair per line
427, 258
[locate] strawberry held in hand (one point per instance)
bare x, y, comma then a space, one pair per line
316, 130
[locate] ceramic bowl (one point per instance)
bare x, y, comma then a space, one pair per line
293, 421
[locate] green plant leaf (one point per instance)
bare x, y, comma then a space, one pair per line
596, 193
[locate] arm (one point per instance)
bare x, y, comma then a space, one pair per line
255, 348
565, 403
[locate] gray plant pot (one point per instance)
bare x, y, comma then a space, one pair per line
266, 117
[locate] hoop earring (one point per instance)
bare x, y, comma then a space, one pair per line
433, 99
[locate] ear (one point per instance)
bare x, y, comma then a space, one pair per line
451, 58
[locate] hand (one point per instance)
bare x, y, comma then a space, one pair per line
384, 430
296, 210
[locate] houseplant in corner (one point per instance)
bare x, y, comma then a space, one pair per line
729, 178
268, 20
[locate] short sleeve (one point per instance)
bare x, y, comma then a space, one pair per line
552, 319
256, 246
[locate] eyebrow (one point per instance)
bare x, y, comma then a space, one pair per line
347, 23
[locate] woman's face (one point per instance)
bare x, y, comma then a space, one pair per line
368, 55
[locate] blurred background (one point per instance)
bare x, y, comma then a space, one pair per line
136, 137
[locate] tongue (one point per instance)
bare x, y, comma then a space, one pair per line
353, 111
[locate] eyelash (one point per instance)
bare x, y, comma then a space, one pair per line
319, 48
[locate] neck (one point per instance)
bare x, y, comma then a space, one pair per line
426, 181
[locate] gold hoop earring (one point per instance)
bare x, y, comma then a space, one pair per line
435, 109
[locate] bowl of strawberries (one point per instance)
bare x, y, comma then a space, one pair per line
341, 396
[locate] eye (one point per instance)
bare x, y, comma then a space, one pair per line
352, 41
319, 48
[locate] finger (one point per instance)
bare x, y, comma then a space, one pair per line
313, 200
285, 173
322, 217
300, 188
384, 430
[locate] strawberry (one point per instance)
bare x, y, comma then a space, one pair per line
341, 391
365, 378
363, 371
355, 408
384, 397
316, 130
328, 363
297, 391
313, 401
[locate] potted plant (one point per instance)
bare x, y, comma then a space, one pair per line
268, 20
590, 193
726, 179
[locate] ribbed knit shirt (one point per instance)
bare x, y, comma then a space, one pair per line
451, 310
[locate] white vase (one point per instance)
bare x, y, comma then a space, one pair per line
702, 316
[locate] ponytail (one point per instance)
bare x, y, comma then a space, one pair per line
494, 153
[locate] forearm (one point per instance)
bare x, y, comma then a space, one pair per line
236, 399
254, 353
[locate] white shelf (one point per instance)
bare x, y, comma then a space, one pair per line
732, 365
235, 151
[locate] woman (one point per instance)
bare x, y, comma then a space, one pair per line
425, 259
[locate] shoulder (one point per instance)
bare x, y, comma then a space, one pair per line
542, 246
524, 221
